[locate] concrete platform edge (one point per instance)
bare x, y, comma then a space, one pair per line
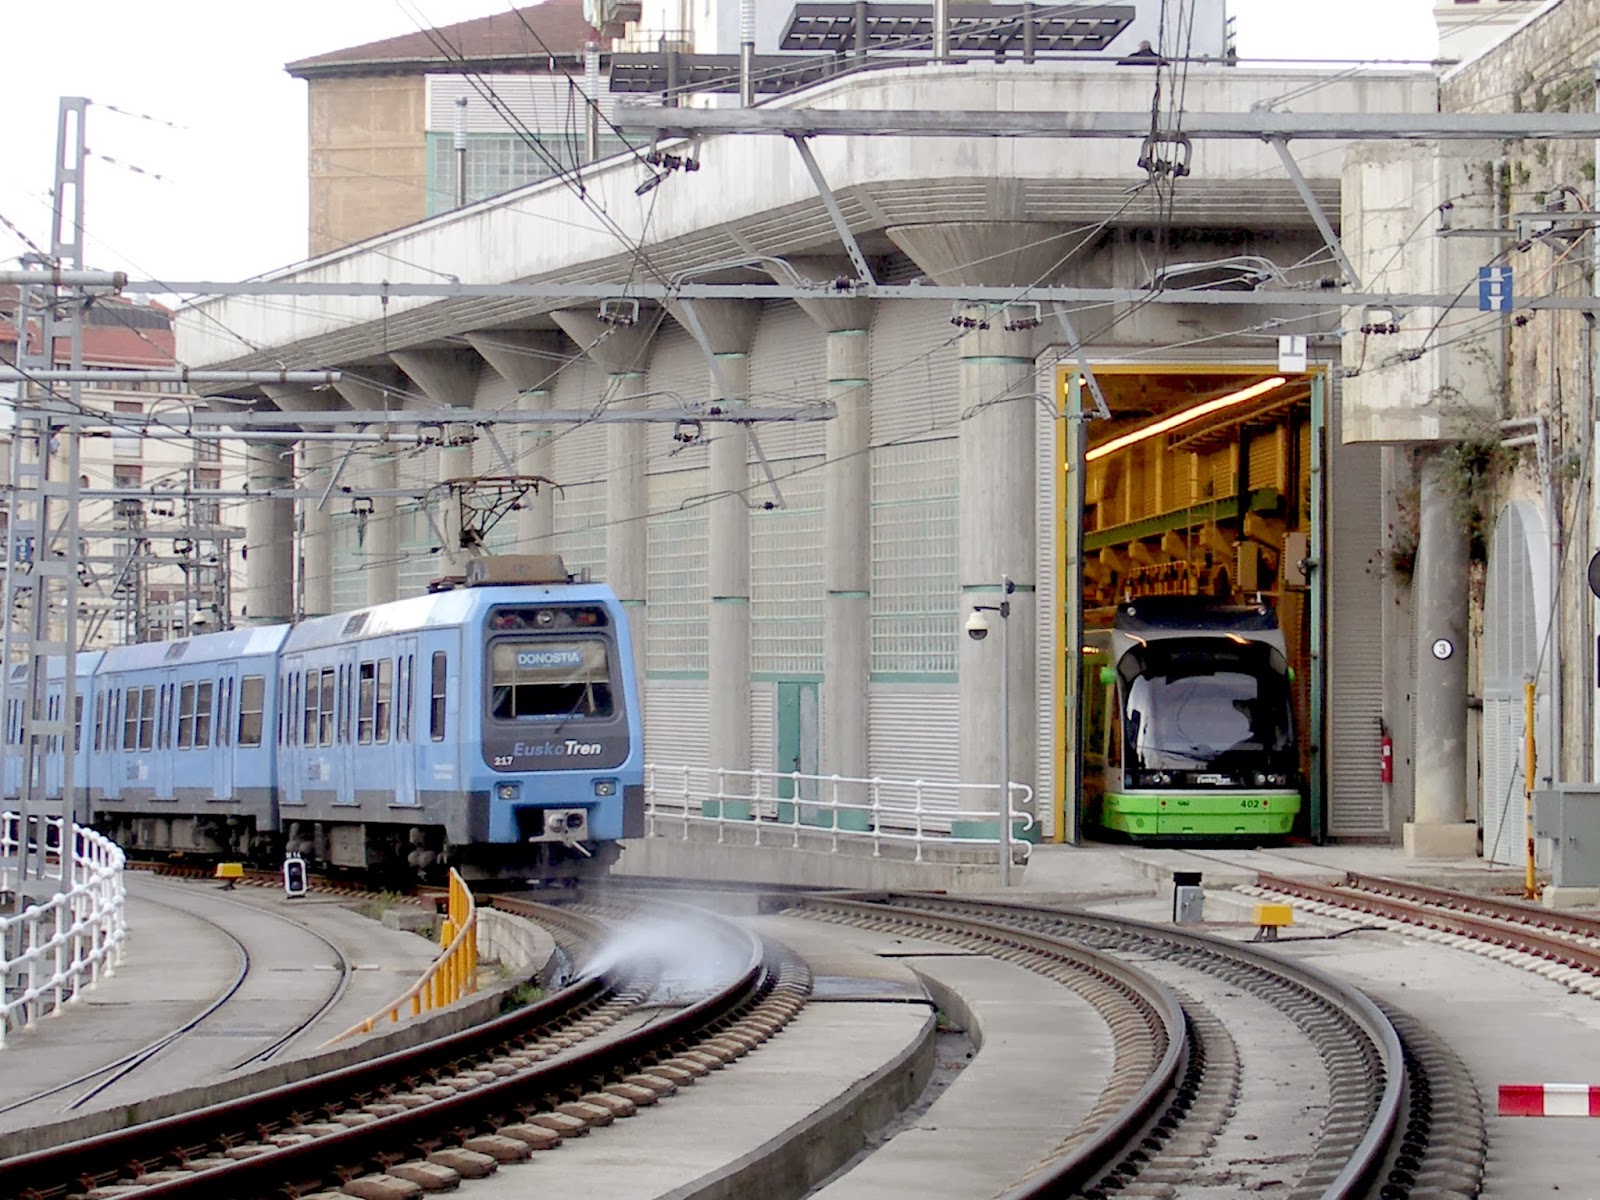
792, 1163
853, 867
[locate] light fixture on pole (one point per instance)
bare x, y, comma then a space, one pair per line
977, 630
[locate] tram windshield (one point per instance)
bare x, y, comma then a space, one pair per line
532, 679
1207, 705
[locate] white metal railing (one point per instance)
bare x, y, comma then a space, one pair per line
53, 951
790, 805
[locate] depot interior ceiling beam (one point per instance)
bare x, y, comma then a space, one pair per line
1253, 125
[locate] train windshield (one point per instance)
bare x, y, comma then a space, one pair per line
533, 679
1207, 704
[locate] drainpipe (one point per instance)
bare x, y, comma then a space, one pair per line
747, 53
591, 87
461, 152
1540, 440
941, 31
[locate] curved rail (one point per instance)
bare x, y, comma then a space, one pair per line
1365, 1159
69, 1170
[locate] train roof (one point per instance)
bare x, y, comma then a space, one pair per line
206, 647
85, 663
439, 610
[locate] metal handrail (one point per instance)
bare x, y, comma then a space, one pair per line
53, 951
875, 809
452, 975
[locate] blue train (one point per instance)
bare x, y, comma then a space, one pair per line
493, 727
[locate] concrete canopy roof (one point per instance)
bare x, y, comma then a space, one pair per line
752, 198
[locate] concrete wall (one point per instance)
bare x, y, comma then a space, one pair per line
1546, 367
368, 162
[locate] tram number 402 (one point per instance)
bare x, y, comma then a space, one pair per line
1249, 803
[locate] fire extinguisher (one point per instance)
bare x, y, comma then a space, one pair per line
1386, 754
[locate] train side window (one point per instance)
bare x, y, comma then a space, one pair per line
309, 696
77, 724
381, 704
130, 720
327, 706
147, 717
164, 717
225, 713
252, 698
402, 725
437, 707
367, 717
186, 716
202, 715
347, 707
99, 719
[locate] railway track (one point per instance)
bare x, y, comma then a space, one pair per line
451, 1108
1563, 946
1396, 1118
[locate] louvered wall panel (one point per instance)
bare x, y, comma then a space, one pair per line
579, 468
914, 732
676, 579
788, 369
915, 373
1357, 806
763, 736
677, 721
679, 377
1048, 684
1267, 459
544, 104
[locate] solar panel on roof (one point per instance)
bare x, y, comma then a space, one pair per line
989, 29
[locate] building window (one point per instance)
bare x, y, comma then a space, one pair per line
676, 613
125, 441
127, 476
915, 550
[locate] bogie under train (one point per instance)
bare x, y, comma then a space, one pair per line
494, 728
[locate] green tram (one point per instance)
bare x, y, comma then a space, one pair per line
1189, 724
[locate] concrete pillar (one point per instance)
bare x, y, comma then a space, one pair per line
316, 527
847, 557
627, 505
529, 360
728, 574
998, 469
997, 519
623, 352
449, 378
379, 389
1439, 592
380, 545
268, 536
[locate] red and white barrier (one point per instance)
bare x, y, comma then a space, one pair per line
1549, 1100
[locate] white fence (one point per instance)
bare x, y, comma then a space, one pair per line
52, 951
781, 807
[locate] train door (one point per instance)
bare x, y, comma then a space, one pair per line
344, 750
291, 759
405, 710
224, 734
166, 735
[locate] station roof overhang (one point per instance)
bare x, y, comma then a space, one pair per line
752, 200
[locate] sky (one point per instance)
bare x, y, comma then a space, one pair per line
197, 137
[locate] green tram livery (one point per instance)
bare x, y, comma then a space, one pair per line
1189, 724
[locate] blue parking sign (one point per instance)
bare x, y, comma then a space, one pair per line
1494, 289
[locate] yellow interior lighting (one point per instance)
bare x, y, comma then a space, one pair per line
1178, 419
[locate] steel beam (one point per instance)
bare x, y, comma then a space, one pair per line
208, 419
1261, 297
831, 203
1325, 227
10, 374
1254, 125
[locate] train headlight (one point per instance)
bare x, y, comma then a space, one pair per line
508, 791
1261, 779
605, 787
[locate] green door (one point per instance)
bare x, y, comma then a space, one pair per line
799, 738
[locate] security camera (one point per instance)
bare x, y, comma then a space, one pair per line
977, 626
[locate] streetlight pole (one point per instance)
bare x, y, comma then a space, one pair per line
1005, 732
977, 628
